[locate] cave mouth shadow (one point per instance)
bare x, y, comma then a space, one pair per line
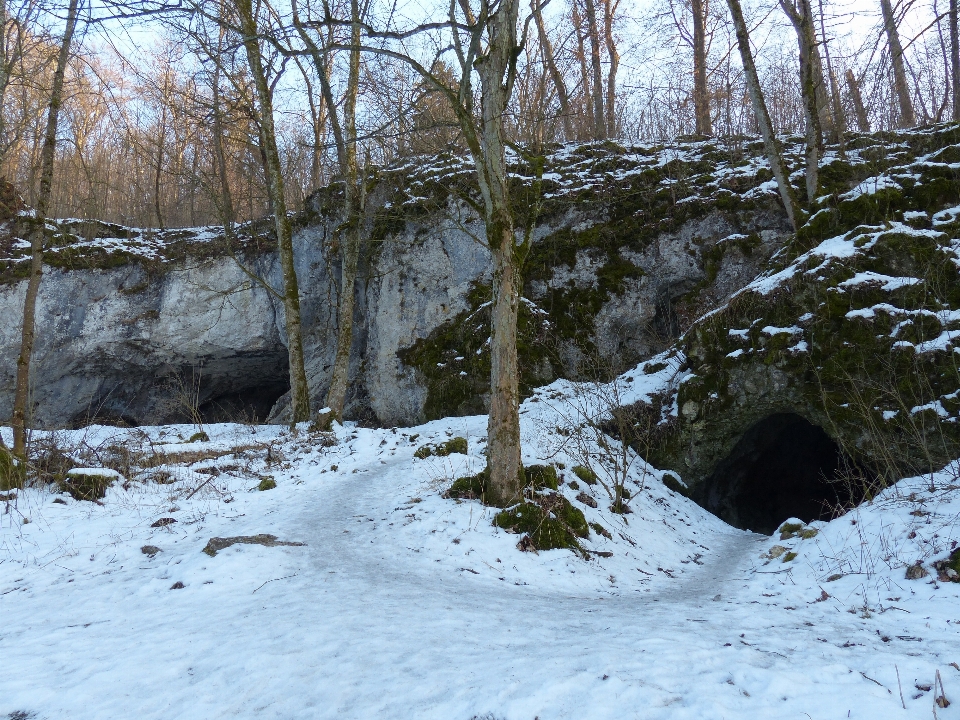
782, 467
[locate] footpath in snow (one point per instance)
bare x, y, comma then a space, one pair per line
402, 604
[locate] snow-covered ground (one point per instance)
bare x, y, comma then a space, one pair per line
402, 604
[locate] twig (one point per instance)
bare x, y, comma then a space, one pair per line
900, 687
941, 699
867, 677
274, 580
199, 487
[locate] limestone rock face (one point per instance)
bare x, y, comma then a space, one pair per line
631, 244
115, 344
853, 327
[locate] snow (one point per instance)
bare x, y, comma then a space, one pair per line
946, 216
403, 604
94, 472
887, 282
772, 330
838, 248
870, 186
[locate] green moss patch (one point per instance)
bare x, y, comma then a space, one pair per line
584, 473
672, 482
471, 487
534, 479
790, 530
550, 521
541, 477
88, 483
451, 446
12, 473
268, 483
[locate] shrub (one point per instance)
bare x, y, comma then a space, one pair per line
453, 445
423, 452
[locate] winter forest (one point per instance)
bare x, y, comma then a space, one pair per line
491, 360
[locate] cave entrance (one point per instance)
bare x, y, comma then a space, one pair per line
782, 467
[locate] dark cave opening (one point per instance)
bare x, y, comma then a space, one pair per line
782, 467
251, 404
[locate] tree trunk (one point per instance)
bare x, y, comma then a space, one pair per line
550, 61
350, 239
863, 122
503, 425
299, 391
609, 7
955, 60
840, 122
599, 123
158, 170
828, 125
770, 143
47, 154
227, 213
584, 72
701, 97
802, 21
907, 117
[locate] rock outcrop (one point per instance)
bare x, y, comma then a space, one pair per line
854, 328
631, 244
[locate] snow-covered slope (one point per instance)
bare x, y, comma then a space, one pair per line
404, 604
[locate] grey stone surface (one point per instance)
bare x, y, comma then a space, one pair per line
119, 344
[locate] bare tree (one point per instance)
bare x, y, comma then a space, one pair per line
251, 34
613, 60
38, 236
486, 42
349, 231
770, 143
902, 88
549, 60
954, 59
801, 17
863, 122
701, 95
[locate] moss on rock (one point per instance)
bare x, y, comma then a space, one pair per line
550, 521
857, 336
88, 483
584, 473
454, 445
471, 487
12, 473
